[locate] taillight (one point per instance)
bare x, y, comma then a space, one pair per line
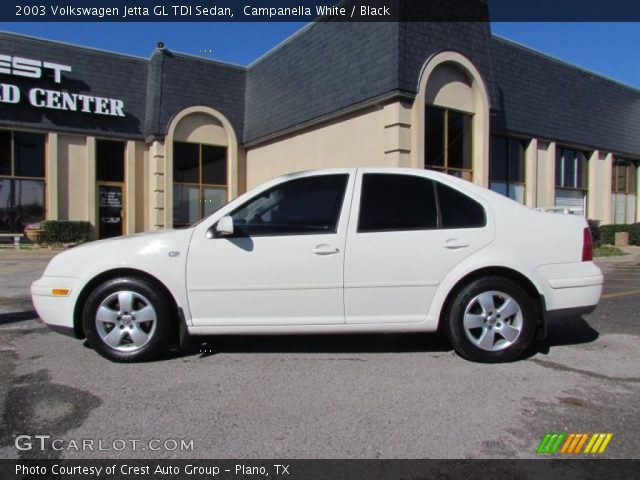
587, 245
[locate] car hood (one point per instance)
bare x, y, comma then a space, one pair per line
141, 251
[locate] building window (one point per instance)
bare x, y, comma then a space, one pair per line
22, 172
448, 142
506, 168
199, 181
110, 176
110, 161
624, 191
571, 179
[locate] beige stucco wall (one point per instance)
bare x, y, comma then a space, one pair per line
72, 181
142, 184
599, 197
448, 87
356, 141
546, 171
201, 128
530, 173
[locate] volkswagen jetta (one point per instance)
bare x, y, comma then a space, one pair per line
332, 251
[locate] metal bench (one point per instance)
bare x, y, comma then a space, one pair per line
16, 238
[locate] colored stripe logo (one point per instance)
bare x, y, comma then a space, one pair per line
572, 443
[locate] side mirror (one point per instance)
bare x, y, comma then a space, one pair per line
224, 226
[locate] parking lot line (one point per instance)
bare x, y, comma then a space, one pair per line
621, 294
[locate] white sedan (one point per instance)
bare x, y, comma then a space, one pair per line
333, 251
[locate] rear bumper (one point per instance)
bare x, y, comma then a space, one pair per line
570, 288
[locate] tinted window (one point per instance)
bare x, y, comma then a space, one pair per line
28, 152
459, 211
5, 153
186, 162
306, 205
214, 165
396, 202
21, 203
110, 161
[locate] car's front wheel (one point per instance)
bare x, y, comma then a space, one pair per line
127, 320
491, 319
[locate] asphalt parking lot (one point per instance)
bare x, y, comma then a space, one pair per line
361, 396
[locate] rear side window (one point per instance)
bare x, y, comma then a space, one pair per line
396, 202
459, 211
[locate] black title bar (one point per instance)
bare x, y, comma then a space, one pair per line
579, 469
313, 10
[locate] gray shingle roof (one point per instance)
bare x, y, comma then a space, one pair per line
543, 97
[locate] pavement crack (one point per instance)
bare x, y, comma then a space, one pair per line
600, 376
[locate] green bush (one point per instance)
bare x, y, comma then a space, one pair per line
62, 231
594, 227
608, 233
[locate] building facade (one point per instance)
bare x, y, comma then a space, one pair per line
134, 144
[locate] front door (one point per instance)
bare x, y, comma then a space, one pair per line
284, 263
110, 210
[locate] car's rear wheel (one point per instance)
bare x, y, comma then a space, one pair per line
491, 319
127, 320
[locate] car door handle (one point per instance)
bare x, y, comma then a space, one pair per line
325, 249
454, 244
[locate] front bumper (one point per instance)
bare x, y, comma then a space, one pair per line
56, 310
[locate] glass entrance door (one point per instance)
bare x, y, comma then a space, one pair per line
110, 210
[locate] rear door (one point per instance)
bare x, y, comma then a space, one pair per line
406, 232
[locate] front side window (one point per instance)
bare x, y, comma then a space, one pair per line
309, 205
624, 191
199, 181
448, 142
391, 202
506, 168
22, 171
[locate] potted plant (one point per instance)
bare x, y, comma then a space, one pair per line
34, 232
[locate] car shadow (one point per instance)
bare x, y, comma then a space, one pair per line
573, 330
206, 346
15, 317
568, 331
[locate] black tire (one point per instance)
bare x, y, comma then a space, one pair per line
125, 337
512, 335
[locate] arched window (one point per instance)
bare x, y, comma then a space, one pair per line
202, 159
452, 115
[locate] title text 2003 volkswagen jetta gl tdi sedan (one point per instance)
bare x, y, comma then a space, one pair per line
333, 251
